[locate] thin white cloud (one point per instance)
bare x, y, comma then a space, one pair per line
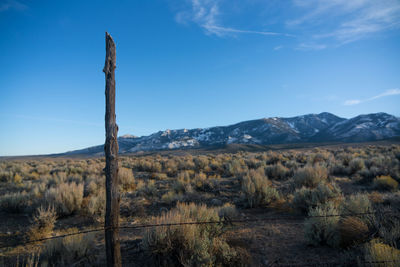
345, 21
12, 4
390, 92
317, 24
206, 14
310, 46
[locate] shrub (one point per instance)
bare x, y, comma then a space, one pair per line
277, 171
306, 198
310, 176
200, 162
356, 204
201, 182
379, 254
181, 186
227, 211
188, 245
387, 226
96, 205
15, 202
17, 178
256, 189
235, 167
385, 183
6, 176
352, 231
322, 230
356, 165
126, 179
43, 223
375, 197
171, 196
149, 188
67, 250
66, 198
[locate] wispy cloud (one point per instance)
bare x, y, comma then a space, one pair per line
345, 21
390, 92
206, 14
316, 24
310, 46
12, 4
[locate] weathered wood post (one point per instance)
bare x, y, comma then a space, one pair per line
113, 251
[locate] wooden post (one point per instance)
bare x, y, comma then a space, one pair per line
111, 151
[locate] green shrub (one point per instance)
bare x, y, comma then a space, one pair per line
311, 176
322, 230
235, 167
306, 198
188, 245
256, 189
385, 183
357, 204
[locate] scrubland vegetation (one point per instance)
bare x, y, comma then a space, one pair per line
45, 197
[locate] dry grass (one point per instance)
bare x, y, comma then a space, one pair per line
239, 185
189, 245
380, 254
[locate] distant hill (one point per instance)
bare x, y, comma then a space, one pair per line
311, 128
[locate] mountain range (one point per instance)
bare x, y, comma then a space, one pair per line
311, 128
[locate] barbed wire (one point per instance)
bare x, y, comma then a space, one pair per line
225, 221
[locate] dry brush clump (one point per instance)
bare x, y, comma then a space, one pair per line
42, 223
379, 254
277, 171
311, 176
257, 189
385, 183
16, 202
126, 179
189, 245
68, 250
66, 198
352, 231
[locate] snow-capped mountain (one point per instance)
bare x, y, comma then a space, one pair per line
323, 127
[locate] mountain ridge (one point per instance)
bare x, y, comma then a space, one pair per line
309, 128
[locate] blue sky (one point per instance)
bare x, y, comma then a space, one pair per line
189, 64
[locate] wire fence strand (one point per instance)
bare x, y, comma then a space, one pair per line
225, 221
